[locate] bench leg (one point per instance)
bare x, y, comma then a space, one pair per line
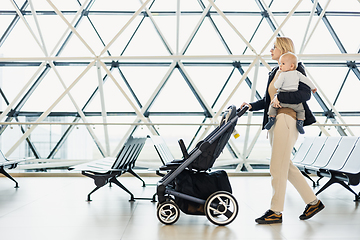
99, 180
308, 177
95, 189
318, 181
342, 183
357, 198
137, 176
114, 180
327, 184
2, 170
348, 188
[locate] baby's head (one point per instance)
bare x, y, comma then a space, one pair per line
288, 62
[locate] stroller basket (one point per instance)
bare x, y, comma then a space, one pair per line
219, 206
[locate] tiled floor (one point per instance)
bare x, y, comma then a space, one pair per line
55, 208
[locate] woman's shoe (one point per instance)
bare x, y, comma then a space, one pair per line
311, 210
269, 217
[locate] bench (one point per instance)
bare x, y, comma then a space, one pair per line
9, 164
163, 151
337, 158
107, 170
166, 157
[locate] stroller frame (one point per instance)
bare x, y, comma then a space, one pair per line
217, 203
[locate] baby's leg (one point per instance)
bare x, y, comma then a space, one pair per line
298, 108
272, 111
300, 115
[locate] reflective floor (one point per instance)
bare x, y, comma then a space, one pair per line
56, 208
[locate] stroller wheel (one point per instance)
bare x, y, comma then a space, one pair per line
168, 212
168, 199
221, 208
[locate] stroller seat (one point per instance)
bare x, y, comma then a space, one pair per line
170, 166
211, 147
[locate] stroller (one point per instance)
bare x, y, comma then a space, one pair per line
190, 186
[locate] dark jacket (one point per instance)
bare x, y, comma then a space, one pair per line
302, 95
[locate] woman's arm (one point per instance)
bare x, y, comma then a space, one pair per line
303, 94
258, 105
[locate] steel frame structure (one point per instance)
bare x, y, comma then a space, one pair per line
176, 60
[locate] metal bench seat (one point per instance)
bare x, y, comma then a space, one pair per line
107, 170
337, 158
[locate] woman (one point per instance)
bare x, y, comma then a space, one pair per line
283, 136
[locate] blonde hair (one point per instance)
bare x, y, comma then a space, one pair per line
291, 57
284, 44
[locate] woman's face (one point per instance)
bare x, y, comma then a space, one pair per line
275, 53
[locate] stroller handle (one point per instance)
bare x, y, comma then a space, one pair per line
241, 111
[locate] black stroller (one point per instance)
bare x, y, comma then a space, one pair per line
190, 186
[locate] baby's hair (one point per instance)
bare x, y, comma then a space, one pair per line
291, 57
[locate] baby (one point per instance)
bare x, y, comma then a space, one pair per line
288, 81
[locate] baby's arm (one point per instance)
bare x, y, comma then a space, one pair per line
303, 93
307, 81
280, 81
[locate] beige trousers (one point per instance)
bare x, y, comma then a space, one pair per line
283, 136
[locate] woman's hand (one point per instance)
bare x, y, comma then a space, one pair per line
245, 104
275, 102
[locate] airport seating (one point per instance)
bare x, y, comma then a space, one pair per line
337, 158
